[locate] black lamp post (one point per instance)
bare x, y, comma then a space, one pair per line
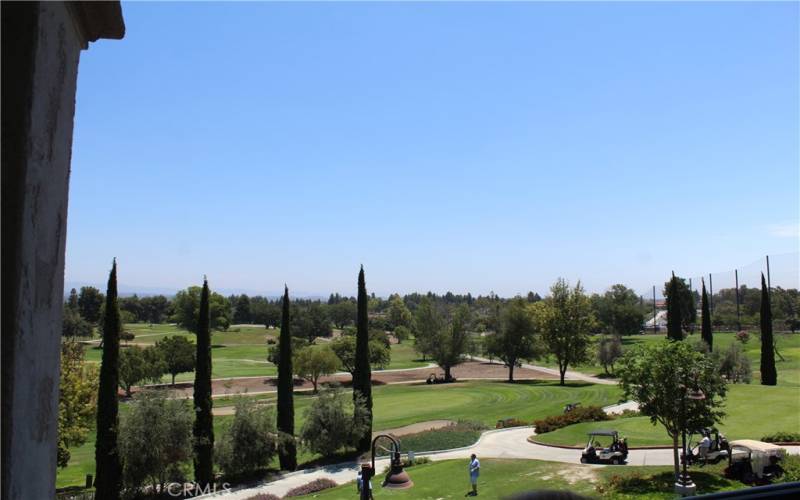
684, 485
396, 479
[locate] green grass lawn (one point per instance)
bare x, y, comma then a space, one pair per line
500, 478
753, 411
399, 405
240, 351
788, 346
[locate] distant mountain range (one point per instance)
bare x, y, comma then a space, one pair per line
145, 291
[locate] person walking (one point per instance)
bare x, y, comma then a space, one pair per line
474, 472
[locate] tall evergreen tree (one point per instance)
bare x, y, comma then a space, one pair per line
108, 473
72, 302
203, 420
769, 375
674, 329
288, 453
362, 376
705, 327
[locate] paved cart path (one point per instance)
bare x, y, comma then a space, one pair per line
503, 443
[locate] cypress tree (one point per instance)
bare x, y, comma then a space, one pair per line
108, 473
769, 375
362, 376
674, 330
203, 421
288, 453
705, 327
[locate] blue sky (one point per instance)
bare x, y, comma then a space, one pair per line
464, 147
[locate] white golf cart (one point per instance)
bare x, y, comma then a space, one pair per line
718, 449
615, 453
753, 461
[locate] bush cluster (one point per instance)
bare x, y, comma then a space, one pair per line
312, 487
511, 422
782, 437
250, 442
579, 414
791, 469
264, 496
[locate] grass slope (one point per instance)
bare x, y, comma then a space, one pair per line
500, 478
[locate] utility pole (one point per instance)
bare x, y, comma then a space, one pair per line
711, 295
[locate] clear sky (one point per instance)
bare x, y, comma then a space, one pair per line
464, 147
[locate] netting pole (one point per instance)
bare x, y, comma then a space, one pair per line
654, 309
738, 316
769, 283
691, 294
710, 295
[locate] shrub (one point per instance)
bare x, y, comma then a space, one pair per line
791, 469
329, 426
263, 496
155, 440
126, 336
510, 422
781, 437
579, 414
314, 486
608, 351
733, 364
743, 336
417, 461
251, 441
629, 413
461, 433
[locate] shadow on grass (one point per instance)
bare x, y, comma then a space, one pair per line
643, 484
542, 383
338, 458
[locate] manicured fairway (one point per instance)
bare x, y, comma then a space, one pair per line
240, 351
500, 478
788, 346
753, 411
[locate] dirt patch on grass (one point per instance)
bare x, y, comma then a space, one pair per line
467, 371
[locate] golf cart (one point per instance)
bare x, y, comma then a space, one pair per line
594, 453
754, 461
718, 450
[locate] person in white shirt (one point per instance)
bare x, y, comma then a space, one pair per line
474, 472
705, 445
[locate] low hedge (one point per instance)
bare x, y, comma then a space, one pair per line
579, 414
782, 437
314, 486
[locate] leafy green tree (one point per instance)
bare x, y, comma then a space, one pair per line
402, 333
399, 315
705, 324
609, 350
138, 365
680, 305
264, 312
345, 349
329, 426
249, 442
565, 320
362, 376
733, 364
131, 309
769, 375
618, 312
155, 440
186, 307
313, 362
108, 472
452, 341
311, 322
203, 429
343, 313
428, 321
178, 354
242, 314
72, 301
659, 377
75, 326
90, 301
516, 340
155, 308
77, 399
288, 453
